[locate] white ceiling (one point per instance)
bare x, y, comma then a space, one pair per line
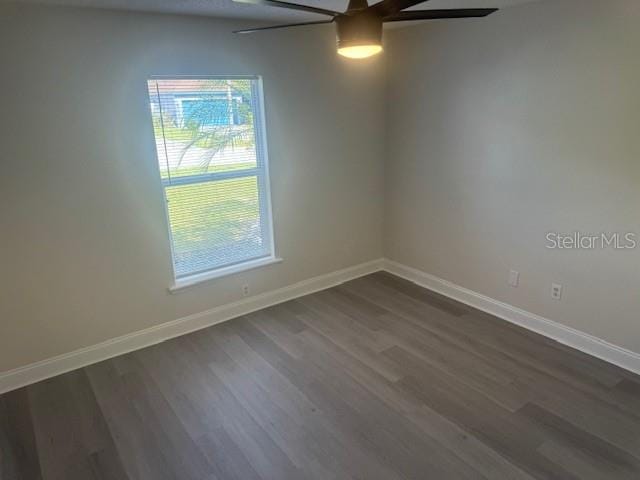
231, 9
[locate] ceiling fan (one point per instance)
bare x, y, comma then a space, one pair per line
360, 27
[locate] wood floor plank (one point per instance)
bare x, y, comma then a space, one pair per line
326, 443
488, 421
506, 341
581, 463
73, 439
305, 376
185, 384
412, 290
352, 395
563, 433
19, 459
375, 379
263, 453
523, 342
462, 443
171, 437
139, 449
335, 393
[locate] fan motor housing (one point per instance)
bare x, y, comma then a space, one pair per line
360, 29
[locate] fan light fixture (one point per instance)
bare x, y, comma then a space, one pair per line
360, 51
359, 36
359, 29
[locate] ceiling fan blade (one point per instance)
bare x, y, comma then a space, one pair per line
275, 27
390, 7
291, 6
436, 14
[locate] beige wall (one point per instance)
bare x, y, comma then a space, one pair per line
504, 129
496, 132
85, 254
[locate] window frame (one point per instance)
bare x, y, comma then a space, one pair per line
260, 172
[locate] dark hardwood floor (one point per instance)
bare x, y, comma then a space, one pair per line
375, 379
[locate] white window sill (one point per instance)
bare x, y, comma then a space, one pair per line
221, 272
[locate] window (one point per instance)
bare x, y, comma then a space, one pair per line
212, 157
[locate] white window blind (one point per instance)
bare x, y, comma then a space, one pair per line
211, 150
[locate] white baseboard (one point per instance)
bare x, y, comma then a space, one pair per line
584, 342
51, 367
566, 335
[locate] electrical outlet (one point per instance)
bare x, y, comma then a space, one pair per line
514, 278
245, 290
556, 291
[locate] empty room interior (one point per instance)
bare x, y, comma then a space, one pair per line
319, 239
